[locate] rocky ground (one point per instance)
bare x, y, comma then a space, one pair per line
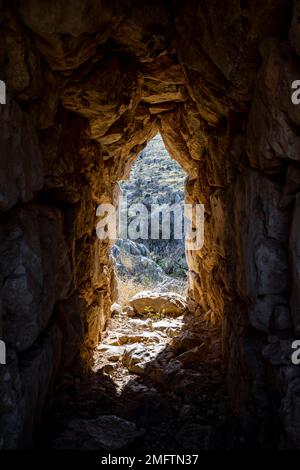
157, 385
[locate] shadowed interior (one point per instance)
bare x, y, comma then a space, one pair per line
89, 84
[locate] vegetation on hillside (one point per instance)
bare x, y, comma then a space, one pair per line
154, 179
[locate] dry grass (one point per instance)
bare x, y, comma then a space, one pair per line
126, 261
127, 288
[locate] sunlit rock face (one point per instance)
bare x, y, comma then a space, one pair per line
89, 84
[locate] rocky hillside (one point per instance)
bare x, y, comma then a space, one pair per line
154, 179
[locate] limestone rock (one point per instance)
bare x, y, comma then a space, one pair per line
129, 311
113, 353
12, 403
72, 18
195, 437
266, 308
116, 309
103, 101
191, 358
290, 414
139, 267
23, 71
165, 69
295, 27
75, 325
109, 433
168, 303
137, 358
282, 318
187, 340
144, 324
70, 33
23, 400
266, 241
175, 142
144, 337
41, 361
21, 165
170, 327
278, 352
295, 259
270, 137
246, 30
141, 31
35, 271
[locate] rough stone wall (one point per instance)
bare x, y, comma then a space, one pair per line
89, 83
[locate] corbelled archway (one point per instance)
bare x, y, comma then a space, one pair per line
88, 85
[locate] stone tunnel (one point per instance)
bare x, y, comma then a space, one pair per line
88, 84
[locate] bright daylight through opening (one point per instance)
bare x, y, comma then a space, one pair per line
152, 264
